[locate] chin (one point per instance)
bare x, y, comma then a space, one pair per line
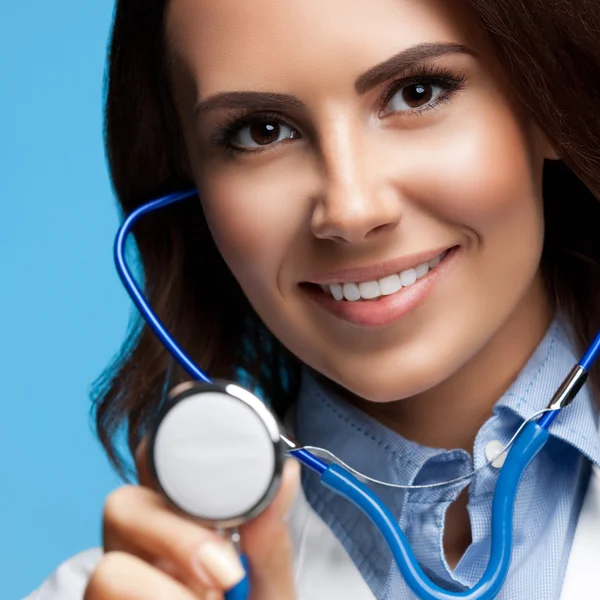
382, 386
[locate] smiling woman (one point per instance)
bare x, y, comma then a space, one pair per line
395, 239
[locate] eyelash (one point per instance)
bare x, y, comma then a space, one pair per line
449, 82
238, 120
429, 75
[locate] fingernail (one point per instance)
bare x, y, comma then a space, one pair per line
221, 561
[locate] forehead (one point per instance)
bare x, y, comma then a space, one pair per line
265, 43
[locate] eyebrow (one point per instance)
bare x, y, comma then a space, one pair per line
255, 100
405, 60
402, 61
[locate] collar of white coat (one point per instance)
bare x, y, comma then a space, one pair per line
581, 579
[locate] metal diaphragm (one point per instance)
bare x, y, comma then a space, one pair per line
216, 453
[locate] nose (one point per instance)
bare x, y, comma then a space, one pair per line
357, 202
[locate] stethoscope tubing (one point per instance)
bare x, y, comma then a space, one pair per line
136, 293
591, 354
527, 445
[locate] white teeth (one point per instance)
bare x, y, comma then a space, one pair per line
422, 270
351, 292
336, 291
389, 285
434, 262
408, 277
369, 290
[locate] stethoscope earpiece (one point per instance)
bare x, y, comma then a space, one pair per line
216, 453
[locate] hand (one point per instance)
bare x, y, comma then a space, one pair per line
153, 553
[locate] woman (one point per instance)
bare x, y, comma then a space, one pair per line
396, 241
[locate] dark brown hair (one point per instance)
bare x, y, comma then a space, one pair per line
551, 51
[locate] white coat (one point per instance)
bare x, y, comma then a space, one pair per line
324, 570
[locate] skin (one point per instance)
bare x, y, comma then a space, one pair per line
354, 180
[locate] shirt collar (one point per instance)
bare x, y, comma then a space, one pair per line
556, 355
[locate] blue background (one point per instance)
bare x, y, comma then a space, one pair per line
63, 313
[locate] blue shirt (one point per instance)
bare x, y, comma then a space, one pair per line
547, 505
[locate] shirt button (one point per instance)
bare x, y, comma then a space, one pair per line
492, 450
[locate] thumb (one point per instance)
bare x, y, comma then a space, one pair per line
267, 543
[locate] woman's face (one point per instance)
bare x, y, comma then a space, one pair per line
341, 148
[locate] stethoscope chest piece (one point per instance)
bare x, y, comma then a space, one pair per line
216, 453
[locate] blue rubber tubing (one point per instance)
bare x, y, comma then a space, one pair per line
529, 442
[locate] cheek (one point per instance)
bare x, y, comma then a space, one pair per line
256, 214
486, 173
486, 180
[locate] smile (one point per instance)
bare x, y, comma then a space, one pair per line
372, 290
383, 294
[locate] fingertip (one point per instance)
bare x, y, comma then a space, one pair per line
291, 473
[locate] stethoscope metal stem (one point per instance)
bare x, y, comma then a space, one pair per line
565, 394
569, 389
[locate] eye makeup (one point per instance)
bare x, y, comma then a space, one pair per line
423, 75
238, 119
420, 77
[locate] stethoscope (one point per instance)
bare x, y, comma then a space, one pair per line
217, 453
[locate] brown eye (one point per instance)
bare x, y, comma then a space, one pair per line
262, 133
414, 96
417, 94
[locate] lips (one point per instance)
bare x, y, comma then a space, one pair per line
385, 308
